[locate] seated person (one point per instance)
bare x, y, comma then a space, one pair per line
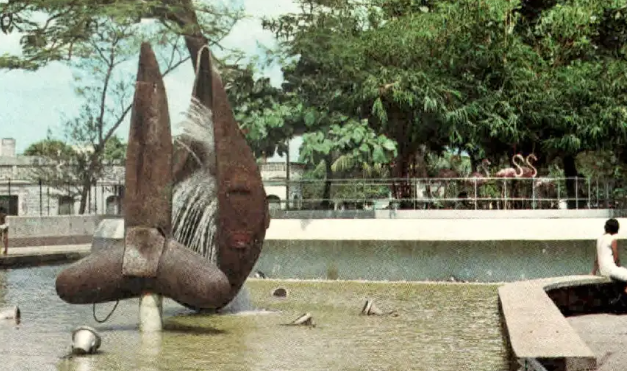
607, 261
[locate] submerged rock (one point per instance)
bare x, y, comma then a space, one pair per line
304, 320
370, 309
279, 292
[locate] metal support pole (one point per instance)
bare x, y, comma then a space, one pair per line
475, 186
41, 201
607, 196
589, 191
287, 177
504, 194
597, 194
576, 192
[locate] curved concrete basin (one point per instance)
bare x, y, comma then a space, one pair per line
534, 319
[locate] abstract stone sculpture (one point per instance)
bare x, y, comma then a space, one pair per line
151, 260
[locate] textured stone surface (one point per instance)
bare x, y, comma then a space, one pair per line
242, 206
150, 260
606, 335
537, 329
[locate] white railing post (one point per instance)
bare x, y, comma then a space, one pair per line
577, 192
475, 184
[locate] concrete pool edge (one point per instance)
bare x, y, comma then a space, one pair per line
26, 257
534, 320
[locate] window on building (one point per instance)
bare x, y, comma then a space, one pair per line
66, 205
9, 203
114, 205
274, 202
298, 203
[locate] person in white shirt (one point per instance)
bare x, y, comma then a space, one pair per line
607, 261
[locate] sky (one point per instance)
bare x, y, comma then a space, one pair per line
33, 102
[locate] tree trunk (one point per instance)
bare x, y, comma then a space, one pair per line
401, 188
570, 171
85, 187
326, 194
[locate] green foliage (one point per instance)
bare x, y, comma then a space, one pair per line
54, 30
64, 167
262, 111
484, 76
348, 139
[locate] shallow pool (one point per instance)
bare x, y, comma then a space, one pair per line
439, 327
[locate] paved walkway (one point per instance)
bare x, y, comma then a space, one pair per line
606, 336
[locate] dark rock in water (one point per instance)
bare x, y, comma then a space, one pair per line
455, 279
260, 274
279, 292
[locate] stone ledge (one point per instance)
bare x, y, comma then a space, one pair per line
48, 241
537, 329
26, 261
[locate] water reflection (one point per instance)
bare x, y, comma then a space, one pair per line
84, 363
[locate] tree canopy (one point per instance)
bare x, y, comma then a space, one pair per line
490, 77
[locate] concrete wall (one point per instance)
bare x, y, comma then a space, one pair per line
439, 229
445, 229
51, 230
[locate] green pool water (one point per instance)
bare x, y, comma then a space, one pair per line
439, 327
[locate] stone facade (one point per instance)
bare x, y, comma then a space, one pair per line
21, 194
273, 175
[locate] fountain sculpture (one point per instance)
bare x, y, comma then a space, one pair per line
202, 268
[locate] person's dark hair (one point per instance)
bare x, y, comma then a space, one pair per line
2, 210
611, 226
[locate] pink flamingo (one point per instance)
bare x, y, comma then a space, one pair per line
509, 172
527, 171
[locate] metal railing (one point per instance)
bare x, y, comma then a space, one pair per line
457, 193
39, 198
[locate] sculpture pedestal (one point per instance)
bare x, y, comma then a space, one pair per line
150, 312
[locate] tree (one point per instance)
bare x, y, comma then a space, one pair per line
106, 91
70, 25
343, 145
350, 59
63, 166
263, 112
492, 77
67, 24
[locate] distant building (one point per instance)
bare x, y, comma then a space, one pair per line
22, 195
274, 175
